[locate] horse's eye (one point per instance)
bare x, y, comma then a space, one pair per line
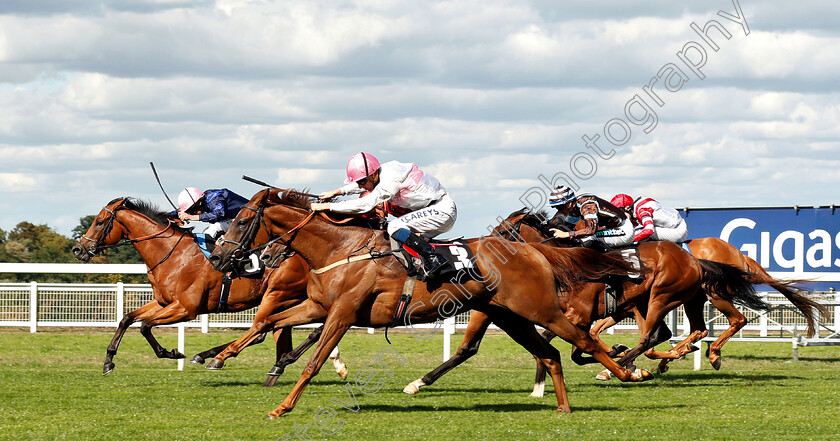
243, 222
99, 223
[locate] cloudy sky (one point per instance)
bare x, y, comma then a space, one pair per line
486, 95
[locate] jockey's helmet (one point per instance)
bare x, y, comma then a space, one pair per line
560, 196
188, 197
621, 200
360, 166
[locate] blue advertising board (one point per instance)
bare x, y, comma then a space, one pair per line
803, 241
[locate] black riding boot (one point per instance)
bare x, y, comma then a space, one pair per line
432, 261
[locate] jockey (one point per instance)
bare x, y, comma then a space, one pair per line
430, 209
216, 207
654, 220
603, 222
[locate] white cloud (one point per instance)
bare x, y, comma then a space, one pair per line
485, 95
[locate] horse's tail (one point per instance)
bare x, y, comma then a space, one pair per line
573, 265
732, 284
809, 308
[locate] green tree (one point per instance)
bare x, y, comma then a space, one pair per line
30, 243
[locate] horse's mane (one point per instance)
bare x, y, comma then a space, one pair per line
149, 210
540, 220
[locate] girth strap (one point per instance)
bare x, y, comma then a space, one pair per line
224, 293
345, 261
405, 300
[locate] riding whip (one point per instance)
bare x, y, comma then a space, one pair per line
161, 186
264, 184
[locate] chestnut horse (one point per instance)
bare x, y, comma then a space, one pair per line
183, 282
675, 278
531, 228
515, 289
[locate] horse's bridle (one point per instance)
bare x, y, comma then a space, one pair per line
243, 246
96, 248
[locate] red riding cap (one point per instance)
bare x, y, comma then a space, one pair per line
621, 200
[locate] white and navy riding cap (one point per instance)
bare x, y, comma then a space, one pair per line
561, 195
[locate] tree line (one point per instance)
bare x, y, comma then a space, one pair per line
30, 243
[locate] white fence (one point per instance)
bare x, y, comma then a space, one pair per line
35, 305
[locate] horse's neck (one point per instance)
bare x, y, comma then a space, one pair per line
157, 241
321, 243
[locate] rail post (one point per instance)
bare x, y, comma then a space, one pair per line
33, 307
181, 338
448, 330
205, 323
120, 301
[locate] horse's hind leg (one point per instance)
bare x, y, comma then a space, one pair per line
736, 322
212, 352
138, 314
292, 356
338, 365
539, 378
694, 312
524, 333
469, 346
171, 314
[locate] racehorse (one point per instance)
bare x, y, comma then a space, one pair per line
707, 248
522, 225
184, 283
513, 289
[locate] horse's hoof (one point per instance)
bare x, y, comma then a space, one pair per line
343, 372
107, 368
692, 348
539, 390
174, 354
662, 368
276, 371
564, 409
197, 359
270, 380
215, 365
603, 375
642, 375
716, 362
414, 387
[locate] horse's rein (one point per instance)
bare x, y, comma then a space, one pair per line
108, 227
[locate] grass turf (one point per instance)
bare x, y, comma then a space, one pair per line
53, 389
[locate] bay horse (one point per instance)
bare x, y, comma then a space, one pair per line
184, 284
514, 289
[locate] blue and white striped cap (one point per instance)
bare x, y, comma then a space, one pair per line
560, 196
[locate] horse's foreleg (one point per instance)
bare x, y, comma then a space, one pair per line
469, 346
138, 314
334, 330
